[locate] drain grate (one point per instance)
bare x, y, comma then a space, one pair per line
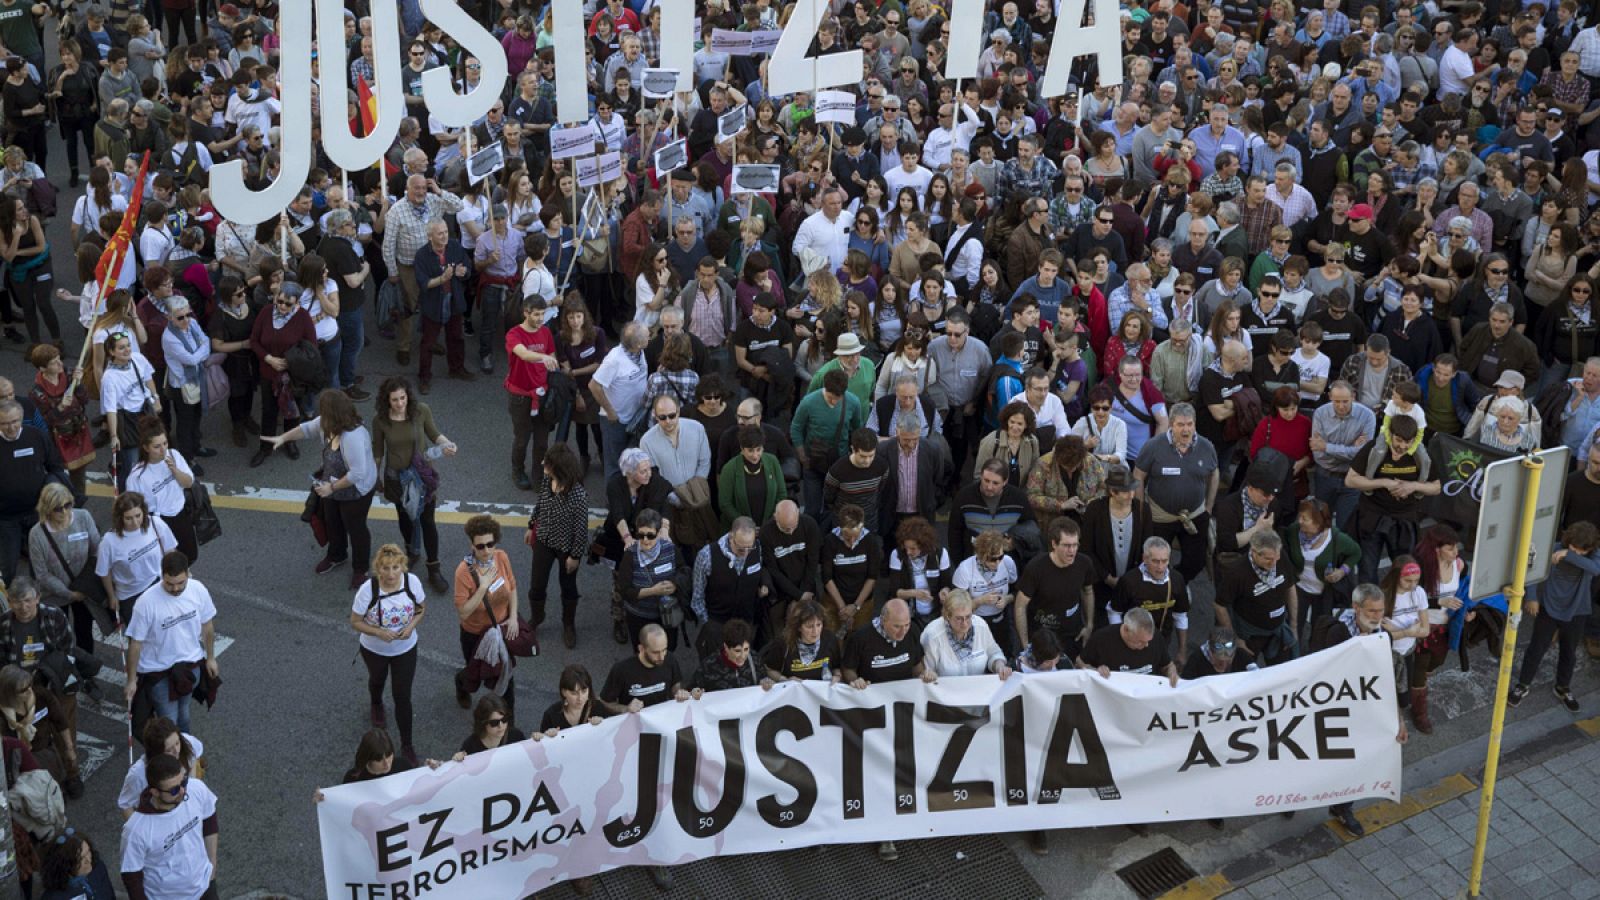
1157, 873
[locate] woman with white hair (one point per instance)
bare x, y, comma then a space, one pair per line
960, 643
1507, 430
629, 491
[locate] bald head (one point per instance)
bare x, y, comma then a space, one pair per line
749, 408
787, 515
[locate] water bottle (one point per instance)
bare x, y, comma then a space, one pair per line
827, 675
433, 452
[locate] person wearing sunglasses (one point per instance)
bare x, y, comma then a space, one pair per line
164, 854
491, 727
652, 579
485, 597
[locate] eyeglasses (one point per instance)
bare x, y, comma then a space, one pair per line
1073, 190
1580, 289
1101, 407
1499, 271
1222, 646
175, 791
645, 535
488, 545
1272, 294
1103, 221
667, 417
496, 722
863, 223
417, 53
1182, 290
711, 397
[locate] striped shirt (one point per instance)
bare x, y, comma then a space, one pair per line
406, 226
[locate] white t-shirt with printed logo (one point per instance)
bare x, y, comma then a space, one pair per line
170, 847
393, 612
168, 628
133, 559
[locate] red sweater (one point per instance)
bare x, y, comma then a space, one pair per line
523, 378
1292, 438
268, 341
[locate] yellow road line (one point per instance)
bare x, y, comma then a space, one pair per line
1382, 815
382, 513
1591, 727
1205, 887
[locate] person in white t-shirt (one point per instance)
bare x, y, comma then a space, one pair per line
388, 608
161, 735
1314, 364
171, 628
129, 559
169, 844
988, 575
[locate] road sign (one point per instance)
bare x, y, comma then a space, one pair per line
1504, 484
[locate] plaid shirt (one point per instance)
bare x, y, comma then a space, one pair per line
1405, 180
1066, 216
650, 44
406, 227
1231, 188
1335, 24
1587, 46
52, 622
1258, 223
1037, 183
1296, 207
1574, 91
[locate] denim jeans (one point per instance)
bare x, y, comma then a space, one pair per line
491, 310
176, 710
613, 439
1330, 489
330, 350
352, 336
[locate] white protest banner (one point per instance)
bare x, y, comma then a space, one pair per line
756, 179
836, 106
733, 43
730, 123
750, 771
764, 41
672, 156
610, 167
486, 162
658, 83
567, 141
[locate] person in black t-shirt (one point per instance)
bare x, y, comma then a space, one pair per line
1158, 589
1056, 590
645, 679
884, 649
577, 705
806, 650
1129, 647
1395, 477
852, 557
763, 330
491, 727
1256, 598
1218, 385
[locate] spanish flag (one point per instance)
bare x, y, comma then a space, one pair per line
117, 248
367, 111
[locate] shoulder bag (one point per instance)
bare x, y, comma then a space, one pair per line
85, 581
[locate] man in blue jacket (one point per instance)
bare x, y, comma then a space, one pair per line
1446, 416
442, 267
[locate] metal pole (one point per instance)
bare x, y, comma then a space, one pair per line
1491, 768
10, 887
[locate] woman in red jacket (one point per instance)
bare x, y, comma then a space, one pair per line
278, 328
1286, 430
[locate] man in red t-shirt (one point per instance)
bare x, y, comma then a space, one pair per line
530, 349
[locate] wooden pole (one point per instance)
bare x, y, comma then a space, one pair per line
98, 310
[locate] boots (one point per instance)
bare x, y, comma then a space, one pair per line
436, 579
1419, 710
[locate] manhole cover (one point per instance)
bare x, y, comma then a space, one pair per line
1156, 874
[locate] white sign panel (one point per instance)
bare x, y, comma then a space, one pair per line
659, 83
733, 43
593, 170
730, 123
573, 140
750, 771
756, 179
672, 156
764, 41
1505, 485
486, 162
835, 106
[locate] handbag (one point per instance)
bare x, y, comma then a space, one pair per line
197, 500
85, 581
526, 643
696, 522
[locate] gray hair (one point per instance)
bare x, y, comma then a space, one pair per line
1366, 593
22, 586
177, 303
1161, 244
339, 218
905, 378
1503, 309
9, 405
1139, 620
907, 423
1461, 222
1180, 411
1284, 166
1180, 326
1266, 540
956, 600
634, 336
1514, 404
631, 458
1156, 543
743, 525
1228, 211
675, 313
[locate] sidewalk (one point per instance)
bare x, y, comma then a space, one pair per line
1544, 839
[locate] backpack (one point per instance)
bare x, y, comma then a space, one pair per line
306, 369
184, 167
594, 253
37, 805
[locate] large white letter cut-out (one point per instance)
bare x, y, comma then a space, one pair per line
232, 199
677, 40
438, 85
790, 70
347, 151
1102, 40
967, 40
572, 85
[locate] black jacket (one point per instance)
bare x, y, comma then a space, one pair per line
930, 474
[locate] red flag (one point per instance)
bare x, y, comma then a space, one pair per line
117, 248
367, 110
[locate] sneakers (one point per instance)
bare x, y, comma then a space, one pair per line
888, 852
486, 365
522, 481
90, 688
1515, 695
261, 454
1566, 698
1347, 818
291, 450
357, 394
328, 564
357, 576
619, 632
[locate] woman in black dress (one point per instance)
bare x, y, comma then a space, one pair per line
230, 334
77, 106
576, 706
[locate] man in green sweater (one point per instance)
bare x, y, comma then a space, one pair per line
860, 371
822, 425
